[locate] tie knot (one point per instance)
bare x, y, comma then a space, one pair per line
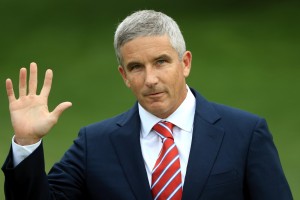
164, 129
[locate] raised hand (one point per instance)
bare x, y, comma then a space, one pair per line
30, 117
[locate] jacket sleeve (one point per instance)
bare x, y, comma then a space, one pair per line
29, 181
265, 178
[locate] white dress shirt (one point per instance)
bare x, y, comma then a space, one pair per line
22, 152
183, 119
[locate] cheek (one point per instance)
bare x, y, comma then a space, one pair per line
178, 83
135, 86
130, 81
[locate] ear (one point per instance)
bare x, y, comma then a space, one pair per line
124, 76
187, 63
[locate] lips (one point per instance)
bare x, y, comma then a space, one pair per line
155, 95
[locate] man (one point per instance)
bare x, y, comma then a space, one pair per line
173, 144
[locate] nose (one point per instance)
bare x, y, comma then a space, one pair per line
151, 78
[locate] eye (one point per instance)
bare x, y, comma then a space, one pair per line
161, 61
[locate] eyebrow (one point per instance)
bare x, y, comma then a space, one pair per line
133, 63
162, 56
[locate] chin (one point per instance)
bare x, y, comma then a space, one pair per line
159, 112
156, 108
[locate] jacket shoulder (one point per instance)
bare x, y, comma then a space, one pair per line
232, 112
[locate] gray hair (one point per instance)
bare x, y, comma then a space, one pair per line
148, 23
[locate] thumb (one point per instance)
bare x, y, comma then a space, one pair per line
60, 109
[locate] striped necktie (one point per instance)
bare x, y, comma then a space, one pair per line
166, 174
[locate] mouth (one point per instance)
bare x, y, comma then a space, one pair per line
154, 94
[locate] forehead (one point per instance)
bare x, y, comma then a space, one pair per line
146, 47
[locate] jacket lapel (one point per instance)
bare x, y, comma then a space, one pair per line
206, 142
126, 141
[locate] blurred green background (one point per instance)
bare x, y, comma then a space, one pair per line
245, 54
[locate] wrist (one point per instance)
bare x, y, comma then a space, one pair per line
25, 141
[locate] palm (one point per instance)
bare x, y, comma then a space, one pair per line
30, 117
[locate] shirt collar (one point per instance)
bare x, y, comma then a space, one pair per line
183, 117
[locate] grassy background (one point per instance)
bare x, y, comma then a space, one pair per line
245, 54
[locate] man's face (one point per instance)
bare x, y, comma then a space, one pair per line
155, 74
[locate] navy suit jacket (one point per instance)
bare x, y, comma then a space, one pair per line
232, 157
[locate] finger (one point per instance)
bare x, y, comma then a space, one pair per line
60, 109
47, 83
22, 82
10, 91
33, 78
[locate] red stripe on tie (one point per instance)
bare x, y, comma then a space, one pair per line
166, 174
